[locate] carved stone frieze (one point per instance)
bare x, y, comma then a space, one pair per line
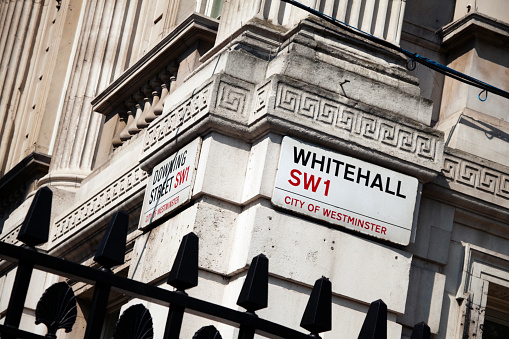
476, 177
99, 204
170, 123
391, 134
11, 237
223, 95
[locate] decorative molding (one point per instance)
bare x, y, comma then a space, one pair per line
11, 237
354, 121
476, 177
106, 199
231, 97
262, 95
222, 95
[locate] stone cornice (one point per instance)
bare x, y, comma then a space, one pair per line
195, 27
285, 106
474, 183
15, 182
475, 25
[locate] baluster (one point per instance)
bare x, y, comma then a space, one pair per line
133, 127
110, 253
125, 135
147, 91
165, 90
317, 317
375, 323
254, 293
183, 275
121, 124
149, 116
33, 232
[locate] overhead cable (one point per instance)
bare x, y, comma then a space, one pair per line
413, 57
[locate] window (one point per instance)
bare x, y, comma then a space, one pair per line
496, 318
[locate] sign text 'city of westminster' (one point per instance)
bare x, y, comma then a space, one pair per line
345, 191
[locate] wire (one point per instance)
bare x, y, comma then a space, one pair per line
413, 57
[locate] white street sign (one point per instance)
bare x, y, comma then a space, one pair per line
170, 184
345, 191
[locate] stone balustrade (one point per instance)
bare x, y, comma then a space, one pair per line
381, 18
137, 97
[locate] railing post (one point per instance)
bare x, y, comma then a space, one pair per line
111, 252
254, 293
33, 232
183, 275
421, 331
97, 311
18, 295
375, 323
317, 317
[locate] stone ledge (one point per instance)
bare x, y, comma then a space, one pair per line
475, 25
286, 106
473, 183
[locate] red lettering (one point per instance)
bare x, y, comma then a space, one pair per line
311, 181
383, 230
326, 212
377, 229
297, 179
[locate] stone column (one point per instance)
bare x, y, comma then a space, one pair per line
15, 59
78, 134
360, 14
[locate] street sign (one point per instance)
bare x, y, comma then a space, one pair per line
170, 184
345, 191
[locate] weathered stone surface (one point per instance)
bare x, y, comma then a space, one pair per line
426, 291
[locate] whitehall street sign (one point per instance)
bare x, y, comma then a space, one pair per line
170, 184
345, 191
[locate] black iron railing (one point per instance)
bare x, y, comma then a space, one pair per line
57, 307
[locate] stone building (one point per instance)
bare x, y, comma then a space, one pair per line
285, 132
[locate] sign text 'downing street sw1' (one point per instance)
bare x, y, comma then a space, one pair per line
170, 184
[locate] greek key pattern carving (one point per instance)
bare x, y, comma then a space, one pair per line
198, 102
315, 107
231, 97
262, 95
475, 177
127, 184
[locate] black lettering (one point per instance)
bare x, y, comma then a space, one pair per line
398, 190
338, 165
377, 182
322, 162
361, 176
348, 172
387, 184
297, 157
